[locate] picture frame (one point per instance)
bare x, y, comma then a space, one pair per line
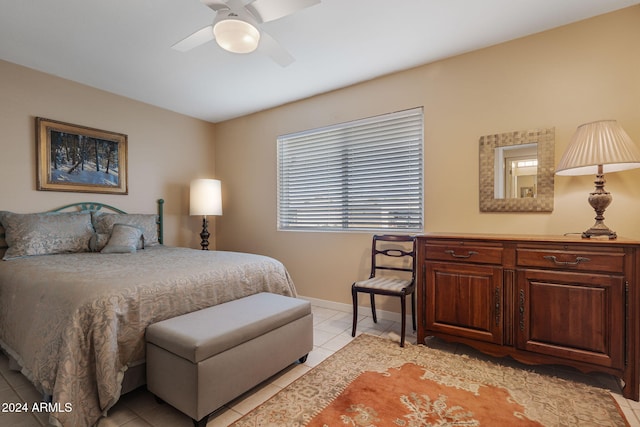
80, 159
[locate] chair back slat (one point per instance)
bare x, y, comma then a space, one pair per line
380, 248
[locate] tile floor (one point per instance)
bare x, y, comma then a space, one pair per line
332, 330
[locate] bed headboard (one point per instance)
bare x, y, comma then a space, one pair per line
95, 206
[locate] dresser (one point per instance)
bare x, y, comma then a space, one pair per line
539, 299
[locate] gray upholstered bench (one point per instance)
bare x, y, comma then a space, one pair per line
200, 361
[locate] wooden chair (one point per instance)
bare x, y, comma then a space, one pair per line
386, 252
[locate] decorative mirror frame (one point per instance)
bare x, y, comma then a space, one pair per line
543, 202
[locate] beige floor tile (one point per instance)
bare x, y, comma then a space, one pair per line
321, 337
290, 374
333, 326
166, 415
28, 393
339, 341
19, 420
7, 395
4, 385
223, 417
18, 414
42, 417
632, 417
255, 397
15, 379
137, 422
320, 314
633, 405
317, 356
117, 416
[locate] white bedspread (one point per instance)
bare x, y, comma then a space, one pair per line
74, 322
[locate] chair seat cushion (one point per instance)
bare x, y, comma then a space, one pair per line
384, 283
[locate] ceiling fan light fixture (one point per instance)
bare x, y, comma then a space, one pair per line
236, 35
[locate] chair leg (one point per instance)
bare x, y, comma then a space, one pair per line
354, 297
413, 309
403, 321
373, 308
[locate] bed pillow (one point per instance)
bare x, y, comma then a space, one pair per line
46, 233
124, 239
98, 241
104, 222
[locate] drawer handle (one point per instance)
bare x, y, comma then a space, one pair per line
453, 254
578, 260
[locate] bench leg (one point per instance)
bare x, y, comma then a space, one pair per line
201, 423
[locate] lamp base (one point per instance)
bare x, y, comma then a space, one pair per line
600, 230
204, 235
599, 201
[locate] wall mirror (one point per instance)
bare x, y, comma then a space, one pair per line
517, 171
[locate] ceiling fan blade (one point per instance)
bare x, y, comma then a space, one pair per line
269, 10
201, 36
271, 47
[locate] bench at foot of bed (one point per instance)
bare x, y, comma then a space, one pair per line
200, 361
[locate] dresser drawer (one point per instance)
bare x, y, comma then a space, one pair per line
467, 252
612, 262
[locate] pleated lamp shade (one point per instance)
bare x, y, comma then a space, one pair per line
599, 143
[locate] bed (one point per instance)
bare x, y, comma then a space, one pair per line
74, 318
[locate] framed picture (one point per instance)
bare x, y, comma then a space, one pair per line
80, 159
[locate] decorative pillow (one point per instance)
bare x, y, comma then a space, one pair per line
98, 241
46, 233
124, 239
104, 222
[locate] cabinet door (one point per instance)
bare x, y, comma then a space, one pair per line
465, 300
576, 316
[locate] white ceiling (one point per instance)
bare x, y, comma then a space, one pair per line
123, 46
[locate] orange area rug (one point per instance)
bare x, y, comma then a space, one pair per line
372, 382
406, 396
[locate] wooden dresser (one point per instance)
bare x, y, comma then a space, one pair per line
540, 299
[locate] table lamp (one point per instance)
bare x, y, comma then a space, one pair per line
596, 148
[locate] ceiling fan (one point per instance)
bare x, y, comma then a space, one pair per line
236, 26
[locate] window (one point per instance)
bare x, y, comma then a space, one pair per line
362, 175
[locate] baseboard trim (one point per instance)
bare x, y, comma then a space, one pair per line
366, 310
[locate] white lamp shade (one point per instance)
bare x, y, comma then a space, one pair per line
599, 143
205, 197
236, 36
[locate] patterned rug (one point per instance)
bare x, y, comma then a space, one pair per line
373, 382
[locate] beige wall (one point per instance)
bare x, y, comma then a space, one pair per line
561, 78
166, 150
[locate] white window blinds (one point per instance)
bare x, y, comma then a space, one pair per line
362, 175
